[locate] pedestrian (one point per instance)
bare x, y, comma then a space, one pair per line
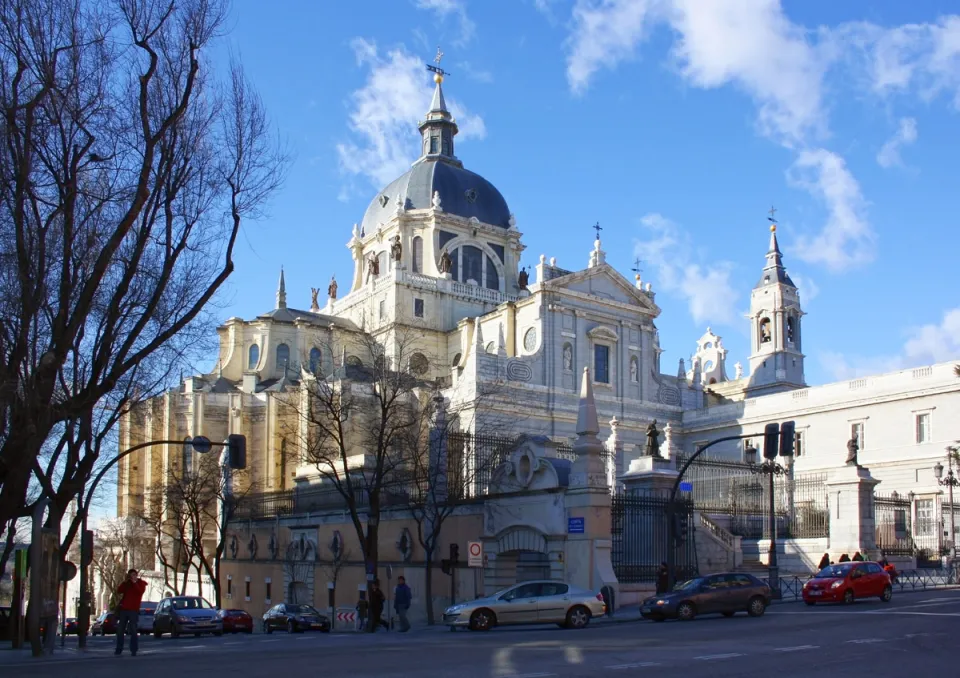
663, 579
362, 610
857, 557
401, 603
824, 562
844, 558
128, 611
376, 607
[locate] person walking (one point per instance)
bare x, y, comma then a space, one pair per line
401, 603
362, 612
663, 579
376, 607
128, 611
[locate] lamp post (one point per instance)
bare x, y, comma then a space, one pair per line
769, 468
950, 482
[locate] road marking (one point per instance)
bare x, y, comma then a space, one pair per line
193, 647
236, 642
530, 675
863, 641
797, 648
729, 655
930, 614
638, 665
272, 640
916, 635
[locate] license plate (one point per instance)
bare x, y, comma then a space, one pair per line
317, 626
644, 609
815, 593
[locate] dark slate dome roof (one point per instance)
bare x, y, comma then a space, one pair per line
462, 192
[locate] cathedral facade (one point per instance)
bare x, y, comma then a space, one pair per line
437, 258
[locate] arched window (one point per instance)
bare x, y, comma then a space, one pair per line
315, 360
765, 335
283, 356
791, 329
472, 264
253, 357
493, 278
468, 263
418, 254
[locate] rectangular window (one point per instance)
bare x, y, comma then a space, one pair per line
418, 308
247, 589
433, 144
856, 431
923, 427
383, 308
900, 524
601, 364
925, 521
229, 586
269, 588
798, 445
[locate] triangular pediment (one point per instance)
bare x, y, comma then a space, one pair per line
604, 282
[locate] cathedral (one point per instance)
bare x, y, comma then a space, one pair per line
436, 257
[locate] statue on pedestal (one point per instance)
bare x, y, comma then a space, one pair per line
523, 278
653, 441
314, 306
853, 446
332, 288
445, 262
396, 249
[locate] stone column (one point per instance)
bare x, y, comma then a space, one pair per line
614, 447
852, 518
587, 503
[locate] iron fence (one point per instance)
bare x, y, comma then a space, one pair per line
639, 530
893, 532
733, 488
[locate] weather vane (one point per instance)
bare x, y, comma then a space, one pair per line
636, 266
773, 214
596, 227
439, 73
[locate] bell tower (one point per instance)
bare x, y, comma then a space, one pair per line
776, 357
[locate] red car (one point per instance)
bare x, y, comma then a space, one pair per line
236, 621
105, 624
846, 582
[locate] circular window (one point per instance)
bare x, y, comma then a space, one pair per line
530, 340
419, 364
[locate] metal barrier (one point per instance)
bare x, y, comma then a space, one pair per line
791, 586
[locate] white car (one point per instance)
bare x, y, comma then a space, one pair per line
145, 620
531, 602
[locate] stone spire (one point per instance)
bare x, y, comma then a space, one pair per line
477, 337
439, 128
588, 470
501, 342
773, 270
282, 291
587, 423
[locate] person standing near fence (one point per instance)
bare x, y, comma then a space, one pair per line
401, 603
128, 610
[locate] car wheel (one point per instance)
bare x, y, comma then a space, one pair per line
578, 617
728, 614
686, 612
848, 597
887, 594
482, 620
291, 627
756, 607
267, 628
156, 633
175, 632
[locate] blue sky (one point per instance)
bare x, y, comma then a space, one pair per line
674, 123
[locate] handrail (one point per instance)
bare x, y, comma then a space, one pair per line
721, 533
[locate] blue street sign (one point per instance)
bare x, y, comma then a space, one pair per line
575, 525
686, 487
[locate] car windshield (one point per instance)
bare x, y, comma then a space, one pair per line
191, 604
301, 609
689, 584
834, 572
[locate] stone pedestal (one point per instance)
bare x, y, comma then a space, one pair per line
650, 476
852, 518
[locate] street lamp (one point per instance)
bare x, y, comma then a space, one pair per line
769, 468
950, 482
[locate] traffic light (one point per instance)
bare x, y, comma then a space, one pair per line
445, 566
86, 547
454, 553
237, 450
788, 435
771, 441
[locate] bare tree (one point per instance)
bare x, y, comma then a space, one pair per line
122, 543
127, 172
169, 524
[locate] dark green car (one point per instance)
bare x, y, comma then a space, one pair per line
726, 594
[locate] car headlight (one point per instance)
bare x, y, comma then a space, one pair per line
836, 584
662, 602
454, 609
181, 618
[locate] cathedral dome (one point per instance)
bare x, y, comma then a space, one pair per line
462, 193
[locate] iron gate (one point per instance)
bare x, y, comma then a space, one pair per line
640, 535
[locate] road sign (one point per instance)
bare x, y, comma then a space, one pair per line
474, 554
575, 525
346, 616
201, 444
686, 487
67, 571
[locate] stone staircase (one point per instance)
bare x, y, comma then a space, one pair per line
718, 549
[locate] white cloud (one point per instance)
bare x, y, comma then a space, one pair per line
384, 114
906, 134
925, 344
455, 8
808, 289
710, 296
847, 238
604, 33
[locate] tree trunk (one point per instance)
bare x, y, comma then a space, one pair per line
216, 579
428, 587
372, 556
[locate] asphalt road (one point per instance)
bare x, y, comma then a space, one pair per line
915, 634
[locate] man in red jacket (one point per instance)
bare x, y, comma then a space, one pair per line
128, 611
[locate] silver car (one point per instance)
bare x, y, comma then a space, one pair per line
530, 602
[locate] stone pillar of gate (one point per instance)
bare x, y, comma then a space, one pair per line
587, 550
650, 476
852, 514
